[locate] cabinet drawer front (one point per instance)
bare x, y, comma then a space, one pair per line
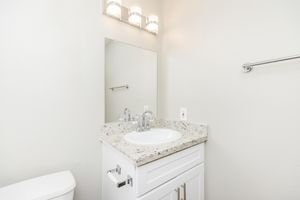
169, 190
159, 172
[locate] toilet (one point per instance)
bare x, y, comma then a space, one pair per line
57, 186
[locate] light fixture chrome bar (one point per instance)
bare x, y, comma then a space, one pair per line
124, 19
248, 67
119, 87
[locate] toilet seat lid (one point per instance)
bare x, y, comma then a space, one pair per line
40, 188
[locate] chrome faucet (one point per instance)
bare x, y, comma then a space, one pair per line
144, 121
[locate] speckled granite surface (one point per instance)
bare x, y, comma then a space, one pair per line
113, 134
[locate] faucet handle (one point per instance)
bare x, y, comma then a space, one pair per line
151, 118
122, 118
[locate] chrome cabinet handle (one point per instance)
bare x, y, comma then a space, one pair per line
184, 191
178, 193
181, 191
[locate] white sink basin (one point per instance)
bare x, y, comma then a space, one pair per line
153, 137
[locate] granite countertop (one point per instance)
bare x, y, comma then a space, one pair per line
113, 134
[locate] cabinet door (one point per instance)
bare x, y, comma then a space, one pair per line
194, 187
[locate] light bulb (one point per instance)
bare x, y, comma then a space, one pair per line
135, 16
152, 24
114, 8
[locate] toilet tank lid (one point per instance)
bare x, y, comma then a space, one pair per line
40, 188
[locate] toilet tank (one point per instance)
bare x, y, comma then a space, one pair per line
57, 186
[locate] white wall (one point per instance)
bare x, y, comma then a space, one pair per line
253, 148
52, 87
133, 66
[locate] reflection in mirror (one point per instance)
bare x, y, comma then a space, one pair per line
130, 81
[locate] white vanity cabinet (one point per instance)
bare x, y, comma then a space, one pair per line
179, 176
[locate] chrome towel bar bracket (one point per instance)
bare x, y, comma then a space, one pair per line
248, 67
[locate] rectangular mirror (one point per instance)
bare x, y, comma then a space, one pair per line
130, 81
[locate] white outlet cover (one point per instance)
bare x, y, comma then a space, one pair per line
183, 114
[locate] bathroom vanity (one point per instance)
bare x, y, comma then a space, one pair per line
161, 160
162, 169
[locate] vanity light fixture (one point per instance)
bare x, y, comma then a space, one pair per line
135, 16
152, 24
114, 8
131, 16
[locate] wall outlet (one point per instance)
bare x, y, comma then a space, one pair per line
146, 108
183, 114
